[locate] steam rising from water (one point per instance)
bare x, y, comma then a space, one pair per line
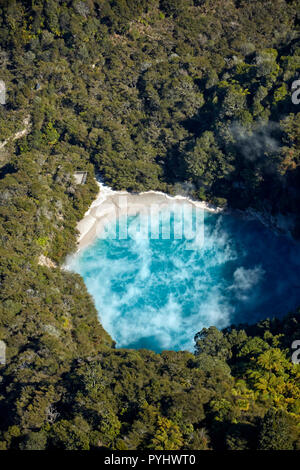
158, 294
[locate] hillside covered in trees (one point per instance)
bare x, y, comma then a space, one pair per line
183, 96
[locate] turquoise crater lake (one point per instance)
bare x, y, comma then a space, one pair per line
158, 293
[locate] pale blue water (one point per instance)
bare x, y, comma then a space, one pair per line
157, 294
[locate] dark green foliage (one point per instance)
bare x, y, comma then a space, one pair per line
189, 95
275, 432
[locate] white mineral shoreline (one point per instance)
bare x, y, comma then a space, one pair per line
110, 204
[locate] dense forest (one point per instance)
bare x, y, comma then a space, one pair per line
185, 96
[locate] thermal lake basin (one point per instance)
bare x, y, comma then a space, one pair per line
157, 293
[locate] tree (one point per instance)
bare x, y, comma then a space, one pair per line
167, 436
212, 342
205, 162
275, 431
35, 441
